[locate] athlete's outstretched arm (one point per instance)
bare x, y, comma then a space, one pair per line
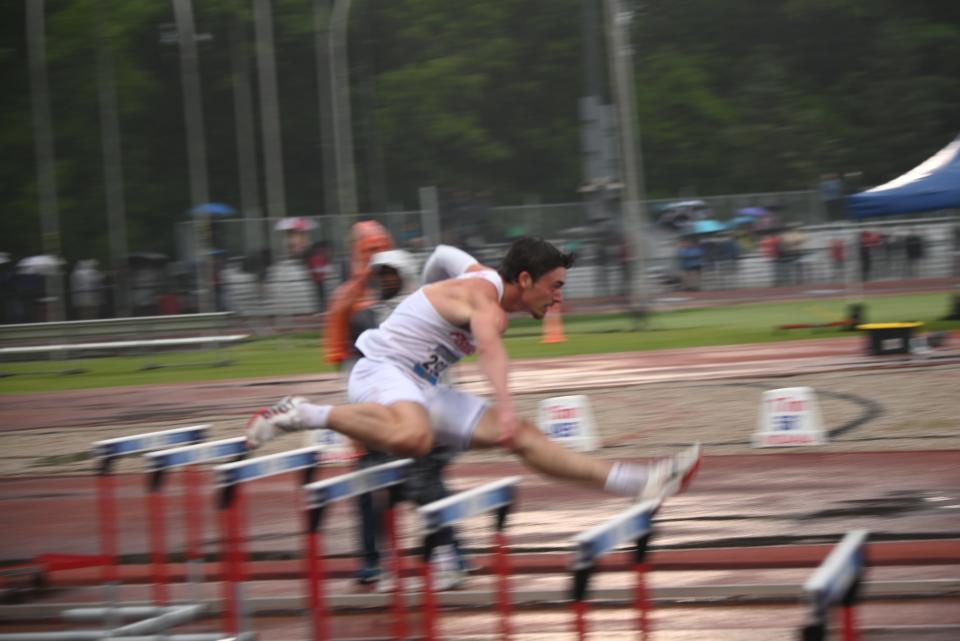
487, 324
446, 262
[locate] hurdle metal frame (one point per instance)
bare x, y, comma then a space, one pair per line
498, 497
160, 464
318, 495
145, 622
152, 626
106, 452
634, 524
230, 478
837, 580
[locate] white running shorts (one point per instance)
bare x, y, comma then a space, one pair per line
453, 414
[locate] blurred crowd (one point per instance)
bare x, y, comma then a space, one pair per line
693, 251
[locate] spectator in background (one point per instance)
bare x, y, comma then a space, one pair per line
914, 250
956, 250
86, 289
218, 265
7, 291
690, 256
728, 254
792, 249
838, 258
626, 268
869, 240
601, 253
770, 247
259, 266
318, 262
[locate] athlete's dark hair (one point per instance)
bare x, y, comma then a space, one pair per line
533, 255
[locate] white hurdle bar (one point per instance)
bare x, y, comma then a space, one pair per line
837, 581
498, 497
320, 494
230, 478
634, 524
105, 453
161, 462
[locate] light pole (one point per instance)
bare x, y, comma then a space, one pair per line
196, 148
253, 239
321, 29
112, 164
620, 54
340, 109
269, 110
43, 144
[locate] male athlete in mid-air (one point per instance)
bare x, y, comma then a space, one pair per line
396, 404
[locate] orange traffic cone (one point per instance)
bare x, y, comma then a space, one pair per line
553, 327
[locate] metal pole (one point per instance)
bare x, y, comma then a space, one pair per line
321, 29
621, 61
112, 164
269, 110
196, 147
43, 145
430, 216
340, 109
246, 139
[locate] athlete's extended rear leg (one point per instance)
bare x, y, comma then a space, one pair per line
659, 479
542, 454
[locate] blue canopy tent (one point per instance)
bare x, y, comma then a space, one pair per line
932, 185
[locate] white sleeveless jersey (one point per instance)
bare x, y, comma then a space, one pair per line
418, 339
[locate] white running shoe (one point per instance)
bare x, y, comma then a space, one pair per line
446, 573
283, 416
671, 475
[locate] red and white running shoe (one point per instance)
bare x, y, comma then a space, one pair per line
282, 416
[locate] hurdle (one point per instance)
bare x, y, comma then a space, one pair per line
108, 451
320, 494
635, 524
837, 581
498, 497
230, 478
159, 463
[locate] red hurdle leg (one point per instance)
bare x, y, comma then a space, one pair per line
230, 524
317, 576
429, 600
850, 632
192, 514
397, 605
580, 619
106, 511
503, 582
156, 517
642, 601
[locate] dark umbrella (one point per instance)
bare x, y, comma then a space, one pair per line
144, 258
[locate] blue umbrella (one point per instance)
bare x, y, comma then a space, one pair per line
212, 209
707, 227
756, 212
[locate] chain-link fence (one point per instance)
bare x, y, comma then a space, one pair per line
261, 273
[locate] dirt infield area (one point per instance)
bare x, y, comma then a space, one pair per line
644, 402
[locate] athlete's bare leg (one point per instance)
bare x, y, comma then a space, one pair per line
402, 428
542, 454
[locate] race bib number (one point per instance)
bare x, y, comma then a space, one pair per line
431, 369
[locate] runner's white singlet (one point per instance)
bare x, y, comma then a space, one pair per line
418, 339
